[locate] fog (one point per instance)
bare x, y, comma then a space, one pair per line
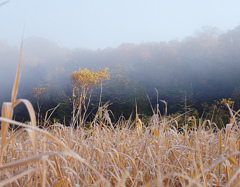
145, 45
204, 68
101, 24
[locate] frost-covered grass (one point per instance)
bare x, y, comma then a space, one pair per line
103, 156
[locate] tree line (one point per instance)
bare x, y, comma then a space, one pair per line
194, 74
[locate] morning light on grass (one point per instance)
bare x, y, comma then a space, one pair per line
120, 93
127, 152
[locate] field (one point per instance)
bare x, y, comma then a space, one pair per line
103, 156
127, 153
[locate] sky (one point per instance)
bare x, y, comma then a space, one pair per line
98, 24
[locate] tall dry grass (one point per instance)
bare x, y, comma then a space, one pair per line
123, 154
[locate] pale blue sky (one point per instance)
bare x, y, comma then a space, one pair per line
108, 23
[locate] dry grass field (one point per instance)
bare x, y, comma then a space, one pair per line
128, 153
155, 156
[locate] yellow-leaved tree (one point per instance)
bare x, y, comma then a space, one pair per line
83, 83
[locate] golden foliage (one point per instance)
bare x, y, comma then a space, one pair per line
225, 102
87, 79
39, 90
83, 82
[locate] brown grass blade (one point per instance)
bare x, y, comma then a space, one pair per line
37, 129
228, 128
220, 143
29, 108
31, 112
228, 175
233, 161
53, 169
234, 181
14, 135
16, 82
122, 181
28, 160
16, 177
151, 183
6, 113
58, 168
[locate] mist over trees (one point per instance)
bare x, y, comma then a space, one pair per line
193, 72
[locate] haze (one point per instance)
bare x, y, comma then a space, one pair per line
100, 24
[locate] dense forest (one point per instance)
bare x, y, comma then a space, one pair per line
192, 75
